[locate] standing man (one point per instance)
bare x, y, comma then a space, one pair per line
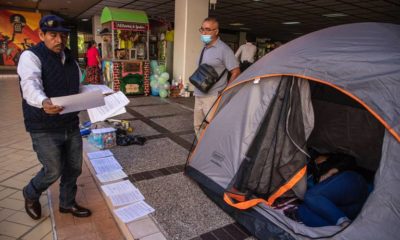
246, 54
48, 70
220, 56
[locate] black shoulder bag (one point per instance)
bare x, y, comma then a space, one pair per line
205, 76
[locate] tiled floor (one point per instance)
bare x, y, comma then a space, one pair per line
100, 225
18, 164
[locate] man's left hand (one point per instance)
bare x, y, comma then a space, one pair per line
51, 109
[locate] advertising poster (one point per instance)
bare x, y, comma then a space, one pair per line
18, 31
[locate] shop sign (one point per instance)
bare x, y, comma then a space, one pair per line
132, 88
129, 26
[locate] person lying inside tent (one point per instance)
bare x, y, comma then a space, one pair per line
335, 192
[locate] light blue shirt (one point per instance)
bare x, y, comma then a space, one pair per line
220, 56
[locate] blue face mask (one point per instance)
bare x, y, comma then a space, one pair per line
205, 38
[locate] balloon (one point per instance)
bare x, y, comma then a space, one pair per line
152, 77
166, 86
162, 80
161, 87
153, 65
157, 70
165, 75
161, 68
154, 91
153, 83
163, 93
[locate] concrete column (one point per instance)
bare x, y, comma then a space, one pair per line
96, 28
73, 42
242, 38
189, 15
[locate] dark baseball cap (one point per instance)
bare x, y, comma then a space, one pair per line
53, 23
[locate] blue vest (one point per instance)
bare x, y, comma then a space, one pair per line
58, 80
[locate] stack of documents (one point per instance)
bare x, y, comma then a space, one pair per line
106, 166
114, 105
121, 193
92, 99
133, 211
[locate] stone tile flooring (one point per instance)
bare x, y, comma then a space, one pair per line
100, 225
18, 164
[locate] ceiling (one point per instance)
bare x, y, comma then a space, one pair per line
263, 18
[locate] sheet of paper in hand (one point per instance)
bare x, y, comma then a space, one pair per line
80, 101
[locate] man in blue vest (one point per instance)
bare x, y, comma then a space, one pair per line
48, 70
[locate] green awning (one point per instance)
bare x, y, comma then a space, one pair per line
123, 15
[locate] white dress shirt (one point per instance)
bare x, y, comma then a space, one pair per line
30, 71
246, 52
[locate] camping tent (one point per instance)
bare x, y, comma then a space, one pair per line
338, 90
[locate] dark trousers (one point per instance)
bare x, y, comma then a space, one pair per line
244, 65
60, 154
340, 196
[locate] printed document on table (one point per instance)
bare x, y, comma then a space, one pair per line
80, 101
111, 176
118, 188
133, 211
126, 198
96, 87
107, 164
99, 154
114, 105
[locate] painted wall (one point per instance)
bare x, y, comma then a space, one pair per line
18, 31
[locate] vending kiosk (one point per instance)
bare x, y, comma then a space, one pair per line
125, 49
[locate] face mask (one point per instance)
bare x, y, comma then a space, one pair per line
205, 38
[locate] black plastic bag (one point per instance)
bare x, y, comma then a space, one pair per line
125, 140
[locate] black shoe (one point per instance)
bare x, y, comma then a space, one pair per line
32, 207
77, 211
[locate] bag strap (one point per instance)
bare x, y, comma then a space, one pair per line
222, 74
201, 59
201, 55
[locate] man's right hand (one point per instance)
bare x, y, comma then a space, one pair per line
49, 108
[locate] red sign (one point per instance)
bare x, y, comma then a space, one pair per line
130, 26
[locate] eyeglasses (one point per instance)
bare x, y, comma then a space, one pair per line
206, 30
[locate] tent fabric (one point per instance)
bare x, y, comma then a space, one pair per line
361, 58
266, 167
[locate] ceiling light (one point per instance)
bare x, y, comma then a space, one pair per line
244, 28
257, 0
84, 19
290, 23
335, 15
236, 24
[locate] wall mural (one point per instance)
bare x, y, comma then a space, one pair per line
18, 31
